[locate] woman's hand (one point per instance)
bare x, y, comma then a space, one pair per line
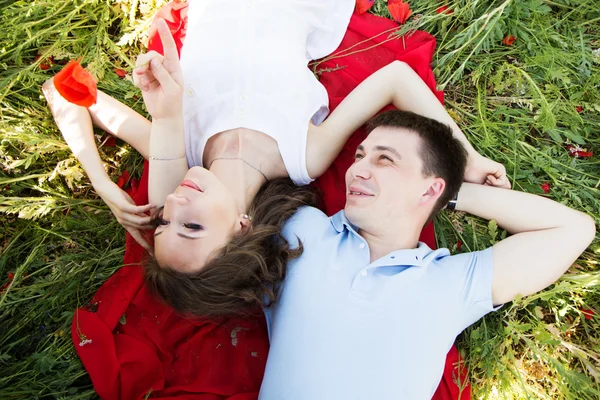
160, 78
484, 171
131, 216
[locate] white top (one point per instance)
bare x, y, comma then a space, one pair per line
245, 66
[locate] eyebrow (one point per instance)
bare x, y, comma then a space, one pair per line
181, 235
382, 148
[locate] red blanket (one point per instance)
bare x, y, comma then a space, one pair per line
133, 346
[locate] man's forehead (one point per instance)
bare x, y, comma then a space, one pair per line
392, 137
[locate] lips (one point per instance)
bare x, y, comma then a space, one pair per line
190, 184
356, 191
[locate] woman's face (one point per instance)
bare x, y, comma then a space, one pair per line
199, 218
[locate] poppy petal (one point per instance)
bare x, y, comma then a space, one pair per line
399, 10
362, 6
76, 85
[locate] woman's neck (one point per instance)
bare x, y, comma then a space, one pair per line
236, 162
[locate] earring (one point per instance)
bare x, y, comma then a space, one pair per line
246, 216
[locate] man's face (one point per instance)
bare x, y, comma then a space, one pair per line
386, 183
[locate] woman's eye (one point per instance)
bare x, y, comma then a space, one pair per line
194, 227
358, 156
160, 221
385, 158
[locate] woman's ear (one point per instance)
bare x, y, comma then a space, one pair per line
245, 222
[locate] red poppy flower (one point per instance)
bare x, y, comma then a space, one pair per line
10, 277
579, 109
444, 9
132, 190
545, 187
175, 15
362, 6
458, 245
509, 40
76, 85
46, 64
399, 10
578, 152
587, 313
123, 179
121, 73
108, 140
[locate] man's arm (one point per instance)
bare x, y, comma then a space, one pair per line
395, 84
546, 237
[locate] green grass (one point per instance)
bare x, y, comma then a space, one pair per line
517, 104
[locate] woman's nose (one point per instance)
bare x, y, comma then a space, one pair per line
174, 198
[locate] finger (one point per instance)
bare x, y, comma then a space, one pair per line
135, 220
143, 73
137, 236
169, 46
129, 208
163, 76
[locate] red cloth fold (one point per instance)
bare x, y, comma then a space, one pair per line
132, 345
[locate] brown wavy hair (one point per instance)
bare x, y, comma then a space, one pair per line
247, 272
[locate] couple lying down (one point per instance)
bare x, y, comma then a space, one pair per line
344, 296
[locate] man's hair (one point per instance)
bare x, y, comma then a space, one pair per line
442, 154
245, 274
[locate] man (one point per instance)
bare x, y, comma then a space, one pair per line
367, 312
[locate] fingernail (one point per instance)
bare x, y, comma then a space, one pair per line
155, 63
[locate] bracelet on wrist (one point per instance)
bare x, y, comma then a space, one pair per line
166, 158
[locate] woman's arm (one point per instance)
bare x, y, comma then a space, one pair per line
395, 84
75, 125
161, 80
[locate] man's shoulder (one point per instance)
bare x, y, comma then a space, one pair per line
305, 221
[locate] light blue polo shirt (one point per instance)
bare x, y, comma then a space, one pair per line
345, 328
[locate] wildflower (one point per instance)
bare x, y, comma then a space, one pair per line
121, 73
46, 64
587, 313
108, 140
444, 10
362, 6
458, 245
579, 109
123, 179
578, 152
10, 278
399, 10
509, 40
76, 85
545, 187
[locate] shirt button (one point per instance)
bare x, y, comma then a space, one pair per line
190, 91
242, 98
364, 272
361, 246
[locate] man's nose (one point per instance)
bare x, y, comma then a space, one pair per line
361, 170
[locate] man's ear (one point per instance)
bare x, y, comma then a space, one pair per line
433, 192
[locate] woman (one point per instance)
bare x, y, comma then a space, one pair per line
249, 119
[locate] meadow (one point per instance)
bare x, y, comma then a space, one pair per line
521, 78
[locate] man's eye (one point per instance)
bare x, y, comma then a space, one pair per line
194, 227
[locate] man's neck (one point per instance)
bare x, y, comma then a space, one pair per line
382, 242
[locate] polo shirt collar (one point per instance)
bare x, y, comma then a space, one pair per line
339, 222
420, 256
